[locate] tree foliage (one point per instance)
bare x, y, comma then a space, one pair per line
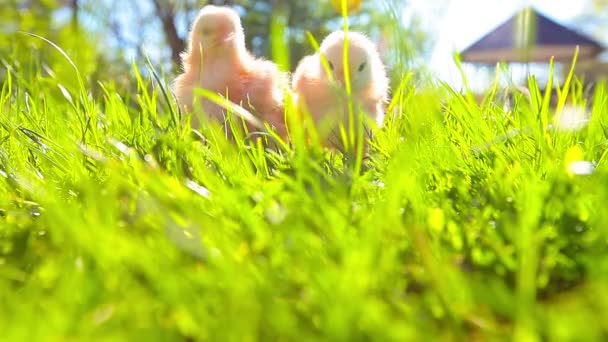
159, 28
104, 37
25, 25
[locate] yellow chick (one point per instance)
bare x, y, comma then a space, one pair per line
217, 60
324, 99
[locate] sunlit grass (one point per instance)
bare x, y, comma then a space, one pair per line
117, 221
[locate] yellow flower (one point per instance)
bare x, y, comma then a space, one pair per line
351, 5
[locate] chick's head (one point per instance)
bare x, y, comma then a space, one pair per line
217, 28
362, 58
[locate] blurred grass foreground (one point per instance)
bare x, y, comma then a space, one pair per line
469, 220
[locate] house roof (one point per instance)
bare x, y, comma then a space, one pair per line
529, 36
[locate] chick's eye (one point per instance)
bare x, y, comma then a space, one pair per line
206, 31
331, 66
362, 66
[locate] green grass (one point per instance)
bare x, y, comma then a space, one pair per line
117, 222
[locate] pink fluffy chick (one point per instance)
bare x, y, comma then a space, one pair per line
323, 99
217, 60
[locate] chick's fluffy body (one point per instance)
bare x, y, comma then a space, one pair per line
217, 60
324, 99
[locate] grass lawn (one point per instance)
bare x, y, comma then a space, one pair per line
467, 221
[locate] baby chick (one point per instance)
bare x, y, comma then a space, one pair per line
316, 93
217, 60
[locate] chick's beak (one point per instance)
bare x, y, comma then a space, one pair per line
228, 37
340, 77
223, 38
224, 34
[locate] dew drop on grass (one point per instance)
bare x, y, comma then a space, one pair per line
257, 196
275, 213
35, 213
572, 118
103, 314
214, 252
379, 184
149, 159
122, 147
199, 189
581, 168
79, 263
